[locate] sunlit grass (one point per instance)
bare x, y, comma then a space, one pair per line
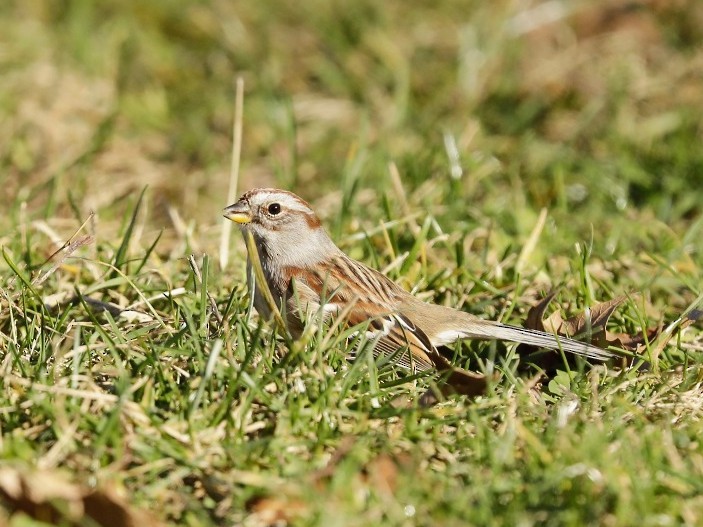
429, 148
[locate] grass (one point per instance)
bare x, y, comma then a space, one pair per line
428, 139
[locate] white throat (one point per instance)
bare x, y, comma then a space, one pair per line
290, 250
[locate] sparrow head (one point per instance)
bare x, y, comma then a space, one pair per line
270, 209
282, 224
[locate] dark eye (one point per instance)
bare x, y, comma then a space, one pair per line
274, 208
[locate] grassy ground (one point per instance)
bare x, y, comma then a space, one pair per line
185, 406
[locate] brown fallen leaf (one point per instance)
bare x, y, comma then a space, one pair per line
288, 503
635, 343
382, 474
276, 510
36, 495
454, 381
535, 315
591, 322
465, 382
594, 319
638, 343
48, 497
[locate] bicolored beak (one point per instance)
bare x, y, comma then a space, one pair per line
240, 212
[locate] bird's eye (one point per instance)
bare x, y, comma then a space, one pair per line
274, 208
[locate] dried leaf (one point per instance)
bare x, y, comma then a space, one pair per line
638, 343
382, 474
455, 381
535, 314
591, 322
48, 497
554, 323
592, 319
635, 343
466, 382
287, 505
276, 510
106, 508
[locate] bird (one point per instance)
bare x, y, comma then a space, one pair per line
308, 275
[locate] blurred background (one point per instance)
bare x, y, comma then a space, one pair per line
590, 108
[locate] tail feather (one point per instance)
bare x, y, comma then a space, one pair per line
531, 337
444, 325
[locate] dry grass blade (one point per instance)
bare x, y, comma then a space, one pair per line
531, 242
401, 195
66, 251
234, 170
60, 390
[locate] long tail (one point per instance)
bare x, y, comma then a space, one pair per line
487, 329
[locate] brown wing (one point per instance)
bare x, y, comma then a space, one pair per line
399, 341
369, 298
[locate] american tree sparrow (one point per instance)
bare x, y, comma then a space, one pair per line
306, 271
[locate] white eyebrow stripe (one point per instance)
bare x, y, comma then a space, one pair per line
290, 202
296, 205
